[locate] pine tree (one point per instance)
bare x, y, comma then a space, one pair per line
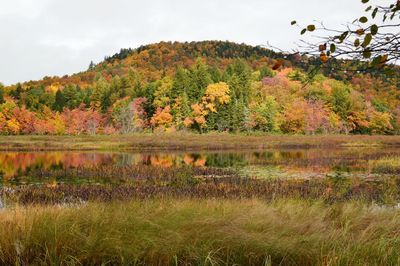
60, 101
1, 93
180, 83
199, 80
91, 65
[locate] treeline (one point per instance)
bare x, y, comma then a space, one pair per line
157, 88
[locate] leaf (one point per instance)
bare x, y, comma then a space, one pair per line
303, 31
293, 22
363, 19
343, 36
374, 29
368, 9
311, 28
333, 48
357, 42
367, 53
373, 15
364, 1
323, 57
367, 40
322, 47
360, 32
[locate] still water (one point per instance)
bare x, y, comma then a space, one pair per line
287, 163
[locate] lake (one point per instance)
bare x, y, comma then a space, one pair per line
37, 167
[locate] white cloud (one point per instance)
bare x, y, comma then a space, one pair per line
23, 8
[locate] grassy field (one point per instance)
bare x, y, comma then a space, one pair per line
202, 232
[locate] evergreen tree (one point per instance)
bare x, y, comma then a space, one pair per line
180, 83
134, 88
199, 80
100, 98
1, 93
60, 101
91, 65
16, 93
239, 80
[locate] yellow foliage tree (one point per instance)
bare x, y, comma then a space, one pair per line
162, 118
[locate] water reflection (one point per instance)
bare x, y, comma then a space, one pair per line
320, 161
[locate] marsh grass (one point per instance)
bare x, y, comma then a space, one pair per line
201, 232
386, 165
189, 141
205, 183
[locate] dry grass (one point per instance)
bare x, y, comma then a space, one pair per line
187, 141
386, 165
201, 232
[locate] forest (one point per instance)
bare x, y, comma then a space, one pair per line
209, 86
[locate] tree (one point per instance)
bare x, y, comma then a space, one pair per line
317, 118
162, 118
60, 101
199, 79
91, 65
266, 71
162, 96
100, 98
129, 116
264, 115
16, 93
294, 117
373, 36
341, 99
1, 93
239, 80
181, 82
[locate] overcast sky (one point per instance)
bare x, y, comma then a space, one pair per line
57, 37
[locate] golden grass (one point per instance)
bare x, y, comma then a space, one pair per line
201, 232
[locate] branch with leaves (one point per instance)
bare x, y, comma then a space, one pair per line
373, 37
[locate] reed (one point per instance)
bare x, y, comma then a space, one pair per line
201, 232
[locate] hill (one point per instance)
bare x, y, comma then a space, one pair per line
206, 86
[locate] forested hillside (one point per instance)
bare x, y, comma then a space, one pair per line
206, 86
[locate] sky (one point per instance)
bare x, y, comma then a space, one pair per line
57, 37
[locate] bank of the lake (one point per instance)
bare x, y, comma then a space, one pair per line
189, 141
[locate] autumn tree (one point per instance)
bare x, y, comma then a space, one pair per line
265, 115
100, 98
162, 119
129, 115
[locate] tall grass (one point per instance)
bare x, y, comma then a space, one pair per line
386, 165
202, 232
